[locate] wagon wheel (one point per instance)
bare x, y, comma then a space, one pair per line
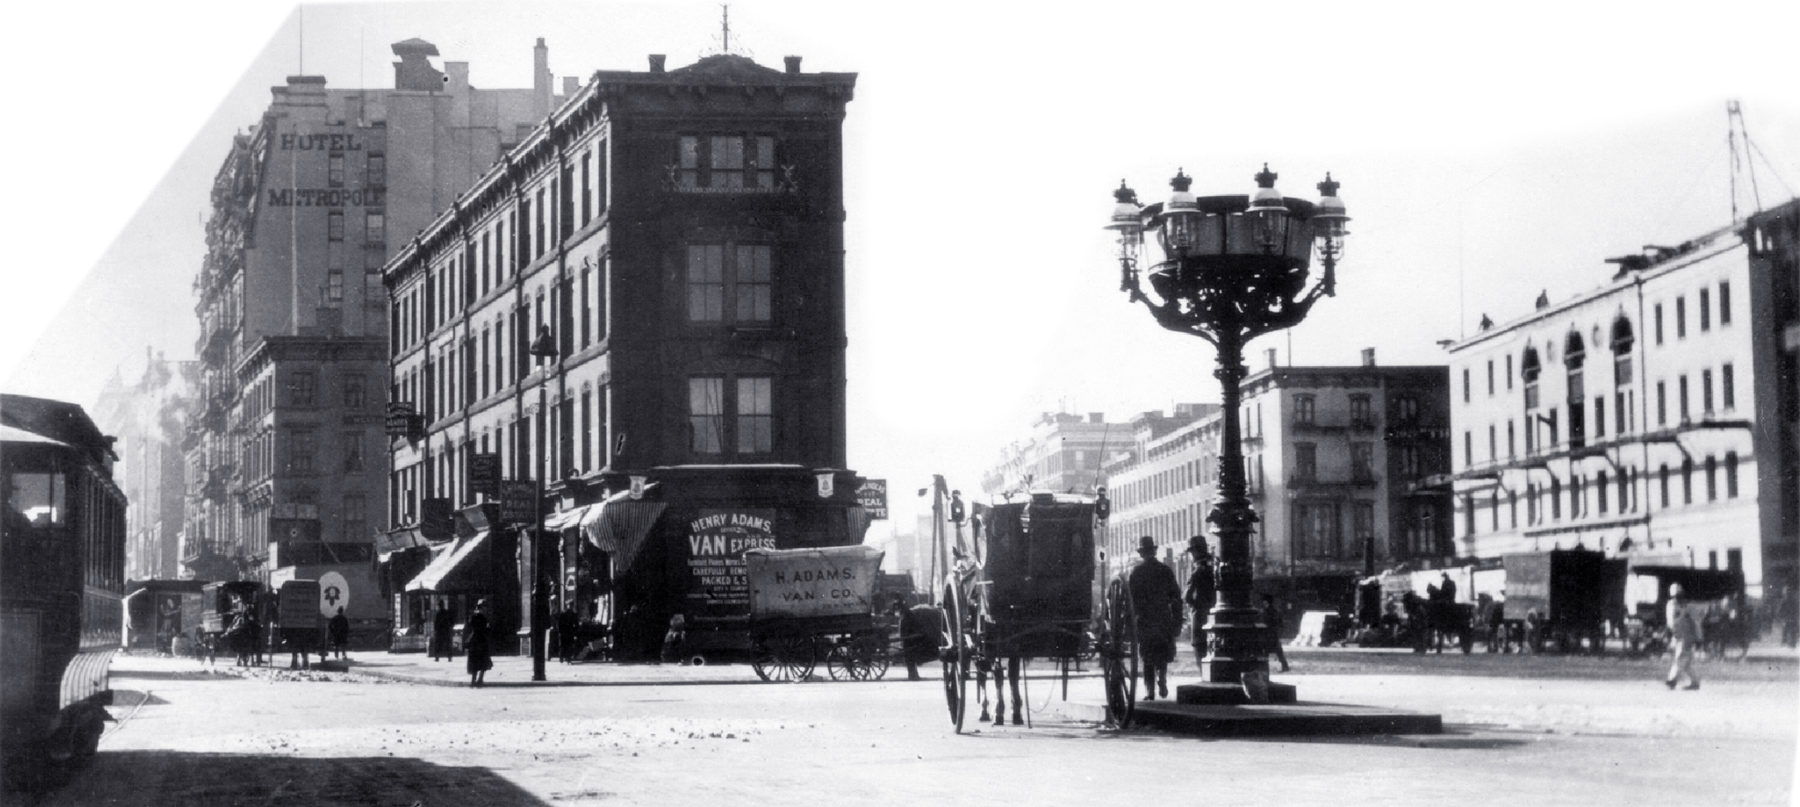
871, 648
1118, 654
784, 658
856, 658
955, 654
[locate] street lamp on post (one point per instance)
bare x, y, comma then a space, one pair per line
1233, 268
543, 348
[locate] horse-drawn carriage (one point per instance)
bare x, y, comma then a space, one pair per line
808, 605
1034, 592
1726, 626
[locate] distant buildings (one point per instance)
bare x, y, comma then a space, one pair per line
1335, 459
149, 417
1062, 454
1653, 418
307, 207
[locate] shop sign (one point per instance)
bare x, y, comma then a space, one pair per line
484, 473
872, 495
716, 539
399, 418
518, 502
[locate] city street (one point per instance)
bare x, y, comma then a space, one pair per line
1518, 729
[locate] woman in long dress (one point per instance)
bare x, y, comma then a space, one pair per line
475, 644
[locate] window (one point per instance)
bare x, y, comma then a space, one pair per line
1712, 478
1528, 368
41, 498
376, 170
1705, 310
1362, 461
1321, 530
354, 517
1490, 376
706, 414
1625, 502
1600, 416
1468, 449
334, 286
301, 388
1727, 387
355, 391
302, 449
1662, 481
1681, 398
334, 225
1681, 318
747, 274
1409, 461
1509, 371
1468, 508
1306, 462
1465, 385
1406, 410
1360, 416
1662, 404
1706, 392
1600, 491
1659, 319
1576, 495
1493, 443
354, 459
1511, 441
1687, 481
725, 163
1731, 474
1362, 523
375, 227
1303, 409
1724, 303
334, 171
1555, 499
755, 415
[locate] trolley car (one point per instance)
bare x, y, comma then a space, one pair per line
813, 604
62, 580
1034, 592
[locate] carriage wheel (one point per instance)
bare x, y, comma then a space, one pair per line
855, 658
1118, 654
784, 658
871, 648
955, 655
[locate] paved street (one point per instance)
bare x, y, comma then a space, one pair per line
1538, 730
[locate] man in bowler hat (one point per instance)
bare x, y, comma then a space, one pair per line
1156, 601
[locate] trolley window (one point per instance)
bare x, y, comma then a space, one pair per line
36, 499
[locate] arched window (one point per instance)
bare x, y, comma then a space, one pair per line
1622, 342
1574, 357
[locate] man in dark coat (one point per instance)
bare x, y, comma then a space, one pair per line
1156, 602
1274, 625
921, 635
338, 632
1201, 591
443, 632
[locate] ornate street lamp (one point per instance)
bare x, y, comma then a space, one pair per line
543, 348
1233, 268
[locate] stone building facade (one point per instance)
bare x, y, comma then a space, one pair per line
149, 416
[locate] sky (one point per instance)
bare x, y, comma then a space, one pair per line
1488, 152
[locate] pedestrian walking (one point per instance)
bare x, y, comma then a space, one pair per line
1686, 633
1202, 589
443, 633
1156, 601
675, 641
1273, 625
568, 628
475, 643
338, 632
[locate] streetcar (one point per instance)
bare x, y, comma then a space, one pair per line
62, 580
1028, 587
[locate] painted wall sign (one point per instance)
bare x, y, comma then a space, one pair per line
293, 141
715, 544
872, 495
327, 197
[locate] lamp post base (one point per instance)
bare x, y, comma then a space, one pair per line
1218, 694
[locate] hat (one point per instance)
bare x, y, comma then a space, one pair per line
1197, 545
1674, 589
1147, 544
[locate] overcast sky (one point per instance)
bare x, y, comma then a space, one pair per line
1487, 153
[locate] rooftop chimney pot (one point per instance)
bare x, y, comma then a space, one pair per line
656, 62
793, 64
1368, 355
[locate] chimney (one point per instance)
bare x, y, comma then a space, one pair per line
1271, 354
540, 77
1368, 357
656, 62
793, 64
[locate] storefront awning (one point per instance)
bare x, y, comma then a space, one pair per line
618, 527
567, 519
460, 566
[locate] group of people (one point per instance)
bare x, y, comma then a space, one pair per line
1159, 604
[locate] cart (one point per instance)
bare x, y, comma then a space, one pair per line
1035, 593
808, 605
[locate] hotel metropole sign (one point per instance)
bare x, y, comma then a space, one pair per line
327, 197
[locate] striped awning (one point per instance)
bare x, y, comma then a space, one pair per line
619, 527
459, 566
